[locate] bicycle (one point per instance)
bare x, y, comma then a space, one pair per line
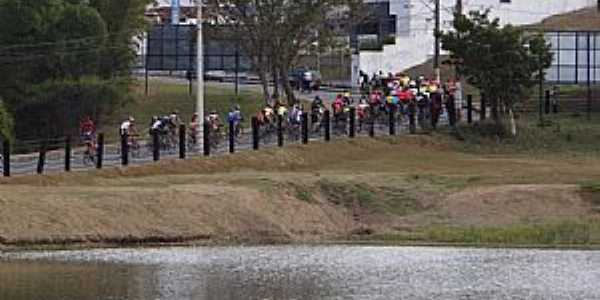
89, 154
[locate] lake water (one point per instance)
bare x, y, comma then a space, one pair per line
301, 272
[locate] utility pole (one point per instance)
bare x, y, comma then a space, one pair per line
436, 59
200, 74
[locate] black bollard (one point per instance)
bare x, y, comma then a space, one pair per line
483, 110
42, 159
352, 123
68, 154
451, 107
6, 158
124, 149
182, 141
155, 145
392, 120
280, 130
547, 102
327, 122
255, 137
470, 109
372, 128
206, 138
412, 124
232, 136
100, 151
304, 128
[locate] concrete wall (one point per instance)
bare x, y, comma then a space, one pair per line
414, 43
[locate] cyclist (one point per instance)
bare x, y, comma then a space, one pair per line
127, 127
317, 109
235, 117
214, 120
194, 129
269, 114
87, 130
338, 104
128, 130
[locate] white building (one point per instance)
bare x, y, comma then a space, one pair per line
414, 40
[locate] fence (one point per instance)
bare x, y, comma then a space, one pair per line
63, 155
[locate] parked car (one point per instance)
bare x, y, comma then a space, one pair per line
295, 77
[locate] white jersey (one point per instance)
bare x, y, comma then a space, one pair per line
125, 126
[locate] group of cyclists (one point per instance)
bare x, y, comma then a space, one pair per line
380, 96
166, 128
398, 94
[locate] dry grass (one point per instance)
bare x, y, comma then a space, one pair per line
583, 19
300, 193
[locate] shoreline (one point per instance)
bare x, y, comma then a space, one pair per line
7, 249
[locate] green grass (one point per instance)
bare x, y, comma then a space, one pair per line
561, 134
390, 200
164, 98
568, 233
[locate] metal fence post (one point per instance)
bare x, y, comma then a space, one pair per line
304, 128
451, 111
182, 141
255, 137
206, 138
547, 106
372, 127
412, 124
68, 154
392, 120
100, 151
352, 123
155, 145
280, 130
470, 109
6, 158
42, 159
124, 149
232, 136
327, 121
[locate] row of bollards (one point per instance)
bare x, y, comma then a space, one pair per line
325, 128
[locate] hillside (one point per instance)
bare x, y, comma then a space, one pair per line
587, 19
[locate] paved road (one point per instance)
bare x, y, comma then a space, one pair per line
55, 160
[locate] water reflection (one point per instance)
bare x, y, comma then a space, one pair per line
301, 273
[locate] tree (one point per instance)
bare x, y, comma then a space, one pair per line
273, 33
124, 20
503, 62
6, 123
62, 59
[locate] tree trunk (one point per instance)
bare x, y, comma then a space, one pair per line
276, 85
265, 85
495, 112
513, 124
289, 92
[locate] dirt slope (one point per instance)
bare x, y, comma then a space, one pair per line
319, 192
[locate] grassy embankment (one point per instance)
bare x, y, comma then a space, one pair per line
539, 190
165, 97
